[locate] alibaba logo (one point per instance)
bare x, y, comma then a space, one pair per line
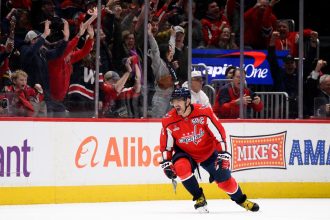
259, 57
83, 150
125, 152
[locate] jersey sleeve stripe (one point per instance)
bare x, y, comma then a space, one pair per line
214, 130
170, 140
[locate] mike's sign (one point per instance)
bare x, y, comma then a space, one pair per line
255, 63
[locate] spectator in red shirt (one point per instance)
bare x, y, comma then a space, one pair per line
226, 40
288, 40
60, 69
259, 24
213, 23
228, 100
115, 93
5, 51
28, 101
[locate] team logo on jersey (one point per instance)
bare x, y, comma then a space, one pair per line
194, 136
199, 120
176, 128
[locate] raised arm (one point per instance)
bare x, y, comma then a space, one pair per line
137, 84
121, 82
81, 53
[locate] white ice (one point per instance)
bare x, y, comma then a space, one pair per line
270, 209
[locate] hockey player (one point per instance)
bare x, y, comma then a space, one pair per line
192, 136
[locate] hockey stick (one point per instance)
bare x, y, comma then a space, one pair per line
174, 183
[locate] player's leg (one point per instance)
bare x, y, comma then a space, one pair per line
184, 170
227, 183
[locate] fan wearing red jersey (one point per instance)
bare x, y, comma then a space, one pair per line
192, 136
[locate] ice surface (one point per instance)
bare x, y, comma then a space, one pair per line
279, 209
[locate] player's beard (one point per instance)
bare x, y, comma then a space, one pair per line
179, 110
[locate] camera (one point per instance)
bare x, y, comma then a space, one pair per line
4, 103
253, 95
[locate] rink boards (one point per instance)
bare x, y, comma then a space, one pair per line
63, 161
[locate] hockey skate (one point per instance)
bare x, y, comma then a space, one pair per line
250, 206
201, 204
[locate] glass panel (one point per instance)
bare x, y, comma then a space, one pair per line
270, 34
321, 107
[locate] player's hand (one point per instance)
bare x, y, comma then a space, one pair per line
168, 169
223, 160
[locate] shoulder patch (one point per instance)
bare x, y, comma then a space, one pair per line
203, 106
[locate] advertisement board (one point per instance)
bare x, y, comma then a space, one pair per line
77, 154
255, 63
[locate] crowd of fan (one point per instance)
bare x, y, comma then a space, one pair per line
48, 50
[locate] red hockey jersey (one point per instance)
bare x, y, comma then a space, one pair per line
198, 134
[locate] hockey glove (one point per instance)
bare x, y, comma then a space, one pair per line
223, 160
168, 169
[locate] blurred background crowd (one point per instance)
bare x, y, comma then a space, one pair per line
48, 53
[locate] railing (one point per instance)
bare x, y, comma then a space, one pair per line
210, 92
218, 83
276, 106
212, 89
